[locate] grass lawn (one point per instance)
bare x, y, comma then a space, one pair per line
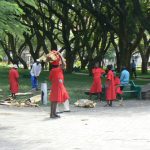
75, 83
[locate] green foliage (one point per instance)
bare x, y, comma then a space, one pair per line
30, 2
110, 54
10, 18
80, 27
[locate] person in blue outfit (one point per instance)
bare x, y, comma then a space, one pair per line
35, 72
124, 77
133, 69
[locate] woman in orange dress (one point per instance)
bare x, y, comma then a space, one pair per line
96, 87
58, 92
13, 80
110, 86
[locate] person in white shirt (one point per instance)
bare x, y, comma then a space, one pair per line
35, 72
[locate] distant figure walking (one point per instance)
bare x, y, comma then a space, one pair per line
133, 69
13, 80
35, 72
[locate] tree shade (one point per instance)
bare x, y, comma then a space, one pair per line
84, 30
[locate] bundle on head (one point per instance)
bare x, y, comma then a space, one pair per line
55, 58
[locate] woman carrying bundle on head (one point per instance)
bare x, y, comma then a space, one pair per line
58, 92
96, 87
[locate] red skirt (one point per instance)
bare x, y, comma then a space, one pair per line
110, 93
58, 93
14, 87
118, 90
96, 86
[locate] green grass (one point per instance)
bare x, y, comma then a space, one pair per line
75, 83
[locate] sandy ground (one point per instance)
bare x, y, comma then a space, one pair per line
101, 128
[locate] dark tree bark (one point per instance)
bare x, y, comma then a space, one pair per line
13, 53
143, 17
145, 53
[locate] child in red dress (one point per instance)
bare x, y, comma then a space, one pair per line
118, 89
110, 86
13, 80
96, 87
58, 92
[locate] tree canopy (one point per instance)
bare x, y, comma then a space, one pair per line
83, 29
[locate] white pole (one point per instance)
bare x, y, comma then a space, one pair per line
66, 105
44, 93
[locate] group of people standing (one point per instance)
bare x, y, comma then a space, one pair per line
113, 84
58, 93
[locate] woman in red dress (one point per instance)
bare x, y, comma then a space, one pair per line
13, 80
58, 92
110, 86
96, 85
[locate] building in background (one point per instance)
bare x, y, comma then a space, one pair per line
26, 56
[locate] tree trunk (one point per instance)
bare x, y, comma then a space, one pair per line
83, 63
118, 62
69, 62
144, 65
123, 41
90, 66
23, 63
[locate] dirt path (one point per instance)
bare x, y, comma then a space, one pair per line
101, 128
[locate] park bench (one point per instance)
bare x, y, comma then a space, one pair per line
135, 90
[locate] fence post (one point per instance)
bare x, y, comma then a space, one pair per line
44, 93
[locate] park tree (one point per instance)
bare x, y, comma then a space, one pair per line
93, 40
13, 47
52, 21
142, 15
51, 25
80, 28
12, 29
73, 29
35, 40
144, 49
9, 18
117, 18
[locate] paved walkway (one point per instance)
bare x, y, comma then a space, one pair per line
101, 128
